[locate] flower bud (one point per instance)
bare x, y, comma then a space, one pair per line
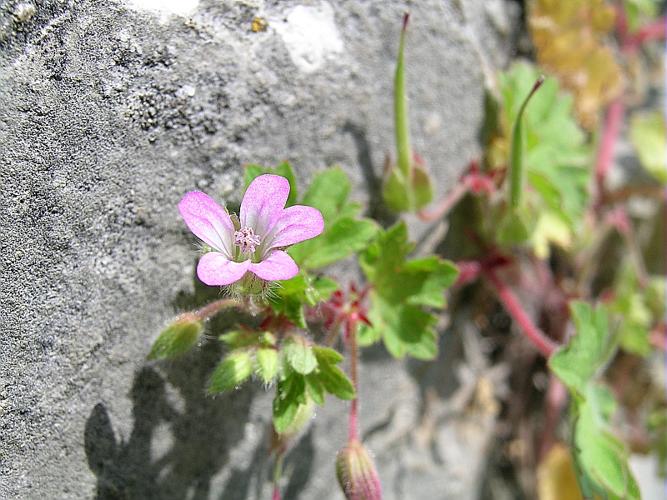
178, 337
291, 434
356, 473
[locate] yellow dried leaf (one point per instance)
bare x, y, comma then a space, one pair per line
258, 24
569, 38
556, 479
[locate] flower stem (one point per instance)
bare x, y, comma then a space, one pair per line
612, 128
277, 473
214, 308
647, 33
351, 331
514, 308
445, 205
555, 400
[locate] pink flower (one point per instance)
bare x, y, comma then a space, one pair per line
266, 227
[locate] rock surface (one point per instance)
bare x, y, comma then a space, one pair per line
109, 112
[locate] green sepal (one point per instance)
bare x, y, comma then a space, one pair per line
267, 364
299, 355
177, 338
231, 372
290, 394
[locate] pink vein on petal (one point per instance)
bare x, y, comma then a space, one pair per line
296, 224
278, 266
207, 220
263, 203
215, 269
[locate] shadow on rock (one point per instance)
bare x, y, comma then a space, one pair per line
376, 207
202, 430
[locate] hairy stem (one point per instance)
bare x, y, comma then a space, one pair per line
514, 308
353, 433
214, 308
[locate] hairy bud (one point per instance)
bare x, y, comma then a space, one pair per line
281, 441
356, 473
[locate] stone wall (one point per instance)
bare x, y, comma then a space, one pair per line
109, 112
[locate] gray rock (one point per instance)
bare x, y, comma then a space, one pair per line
110, 112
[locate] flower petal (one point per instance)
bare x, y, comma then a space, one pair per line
278, 266
215, 269
263, 203
297, 223
208, 221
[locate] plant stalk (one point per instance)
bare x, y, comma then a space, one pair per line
514, 308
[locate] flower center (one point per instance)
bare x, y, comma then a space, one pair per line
246, 239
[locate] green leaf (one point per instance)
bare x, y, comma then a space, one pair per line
640, 11
341, 239
577, 362
329, 376
600, 456
648, 135
315, 388
637, 309
290, 394
344, 234
284, 170
401, 288
267, 364
245, 338
299, 355
405, 329
290, 297
335, 382
386, 255
367, 335
327, 355
231, 372
328, 193
177, 338
320, 290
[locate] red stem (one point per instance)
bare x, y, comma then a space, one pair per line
214, 308
445, 205
647, 33
514, 308
612, 128
351, 334
555, 401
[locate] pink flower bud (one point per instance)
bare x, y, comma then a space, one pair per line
356, 473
